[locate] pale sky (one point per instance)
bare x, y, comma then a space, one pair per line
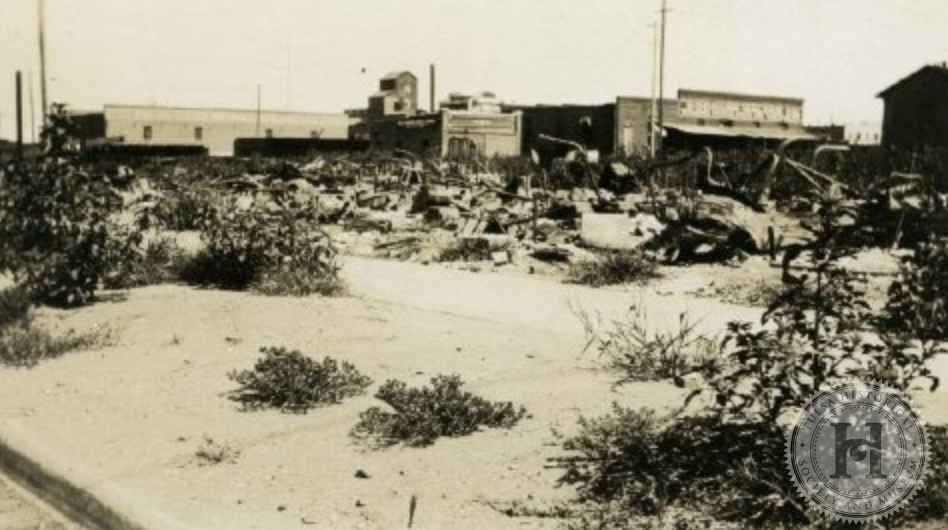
327, 55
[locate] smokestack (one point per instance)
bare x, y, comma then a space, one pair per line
431, 101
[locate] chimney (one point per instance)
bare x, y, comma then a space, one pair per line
431, 101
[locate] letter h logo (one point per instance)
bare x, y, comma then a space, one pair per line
845, 446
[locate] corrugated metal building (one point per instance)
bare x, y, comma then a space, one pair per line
216, 129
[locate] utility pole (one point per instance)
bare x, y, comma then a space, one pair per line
29, 87
661, 78
653, 113
19, 115
257, 129
41, 6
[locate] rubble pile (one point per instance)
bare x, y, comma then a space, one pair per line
401, 206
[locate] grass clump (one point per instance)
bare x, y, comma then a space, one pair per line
614, 268
299, 282
212, 453
466, 249
292, 382
638, 354
14, 306
420, 416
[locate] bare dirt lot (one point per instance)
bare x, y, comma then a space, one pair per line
126, 421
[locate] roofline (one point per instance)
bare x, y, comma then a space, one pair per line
737, 95
218, 109
938, 69
398, 73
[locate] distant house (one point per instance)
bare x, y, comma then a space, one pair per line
916, 110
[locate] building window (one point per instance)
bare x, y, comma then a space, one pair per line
146, 132
398, 106
269, 133
315, 134
199, 133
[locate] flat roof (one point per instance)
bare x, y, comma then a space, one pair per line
218, 109
685, 92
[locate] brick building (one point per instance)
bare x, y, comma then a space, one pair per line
916, 110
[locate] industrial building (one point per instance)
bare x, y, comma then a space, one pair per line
449, 133
214, 129
695, 119
465, 126
916, 110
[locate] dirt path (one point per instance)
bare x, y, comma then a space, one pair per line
126, 422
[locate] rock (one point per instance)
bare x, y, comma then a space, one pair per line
610, 231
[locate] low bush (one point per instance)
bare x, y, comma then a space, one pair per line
297, 282
154, 262
639, 354
291, 382
264, 243
613, 268
420, 416
639, 463
183, 208
14, 306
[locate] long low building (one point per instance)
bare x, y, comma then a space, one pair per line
216, 129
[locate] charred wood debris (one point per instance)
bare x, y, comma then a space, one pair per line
684, 208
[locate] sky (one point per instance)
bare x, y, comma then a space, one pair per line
327, 55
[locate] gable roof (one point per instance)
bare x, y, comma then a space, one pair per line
396, 74
932, 69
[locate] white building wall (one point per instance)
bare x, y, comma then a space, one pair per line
218, 127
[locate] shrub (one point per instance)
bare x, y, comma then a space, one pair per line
642, 355
54, 222
152, 264
918, 298
183, 208
422, 415
243, 243
290, 381
638, 463
614, 267
14, 306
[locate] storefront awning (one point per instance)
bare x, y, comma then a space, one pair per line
766, 133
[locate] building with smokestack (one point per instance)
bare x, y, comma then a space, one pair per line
465, 126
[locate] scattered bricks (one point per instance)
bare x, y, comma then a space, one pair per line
609, 231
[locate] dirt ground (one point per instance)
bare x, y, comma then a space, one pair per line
126, 421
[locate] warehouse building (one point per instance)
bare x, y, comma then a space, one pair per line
916, 110
697, 118
216, 129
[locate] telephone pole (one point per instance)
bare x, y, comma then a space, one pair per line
661, 78
653, 112
41, 7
